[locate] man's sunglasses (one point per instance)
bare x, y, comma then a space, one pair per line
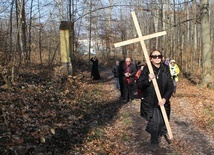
156, 56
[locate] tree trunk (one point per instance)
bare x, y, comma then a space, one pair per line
40, 34
11, 30
23, 28
206, 48
29, 35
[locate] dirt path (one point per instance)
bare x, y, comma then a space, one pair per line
50, 119
141, 139
189, 139
187, 135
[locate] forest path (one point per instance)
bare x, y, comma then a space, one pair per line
190, 136
87, 117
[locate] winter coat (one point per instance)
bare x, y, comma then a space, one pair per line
149, 97
95, 71
132, 71
115, 71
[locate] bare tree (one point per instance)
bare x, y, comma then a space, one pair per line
40, 34
111, 22
206, 48
29, 35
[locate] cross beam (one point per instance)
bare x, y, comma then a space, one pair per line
141, 40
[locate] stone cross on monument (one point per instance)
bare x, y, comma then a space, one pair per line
141, 40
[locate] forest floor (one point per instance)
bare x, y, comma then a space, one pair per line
192, 125
86, 117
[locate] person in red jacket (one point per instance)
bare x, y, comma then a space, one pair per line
127, 72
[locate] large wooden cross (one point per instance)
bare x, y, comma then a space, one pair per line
141, 40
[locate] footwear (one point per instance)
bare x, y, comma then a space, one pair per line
174, 94
131, 99
154, 147
159, 139
125, 101
166, 136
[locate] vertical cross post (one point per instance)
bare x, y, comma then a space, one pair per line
141, 40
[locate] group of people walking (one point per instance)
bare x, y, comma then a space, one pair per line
130, 79
127, 75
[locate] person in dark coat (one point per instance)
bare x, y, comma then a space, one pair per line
94, 71
150, 106
127, 72
121, 64
137, 75
115, 71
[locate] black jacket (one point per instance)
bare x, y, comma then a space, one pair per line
150, 100
115, 70
132, 71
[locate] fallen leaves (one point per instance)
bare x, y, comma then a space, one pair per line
57, 113
43, 114
199, 106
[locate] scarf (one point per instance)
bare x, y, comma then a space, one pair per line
128, 71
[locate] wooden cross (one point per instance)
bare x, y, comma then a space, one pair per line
141, 40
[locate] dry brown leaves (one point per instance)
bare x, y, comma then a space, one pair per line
71, 115
56, 114
199, 106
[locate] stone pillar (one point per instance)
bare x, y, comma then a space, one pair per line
66, 28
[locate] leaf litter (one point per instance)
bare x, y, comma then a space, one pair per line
75, 115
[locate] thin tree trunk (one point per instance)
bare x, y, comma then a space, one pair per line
11, 29
156, 22
18, 34
23, 32
206, 48
29, 36
40, 33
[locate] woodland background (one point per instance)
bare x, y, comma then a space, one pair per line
43, 111
30, 32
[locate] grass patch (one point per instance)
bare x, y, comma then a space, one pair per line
96, 133
211, 123
177, 153
126, 119
124, 137
209, 112
124, 115
180, 95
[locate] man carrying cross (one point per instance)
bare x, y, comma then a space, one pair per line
160, 98
150, 106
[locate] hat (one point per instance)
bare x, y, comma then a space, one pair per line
172, 61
